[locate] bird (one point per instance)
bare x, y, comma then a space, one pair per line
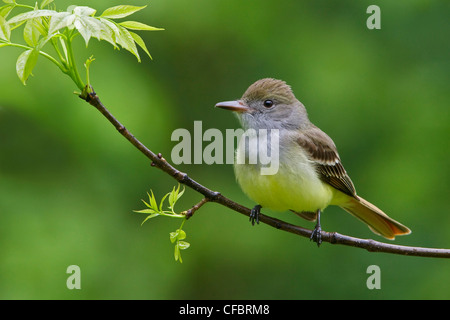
310, 175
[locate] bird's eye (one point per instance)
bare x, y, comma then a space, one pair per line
268, 103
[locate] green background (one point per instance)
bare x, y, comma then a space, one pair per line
69, 181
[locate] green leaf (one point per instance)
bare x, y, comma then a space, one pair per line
149, 217
177, 254
25, 64
122, 37
59, 21
145, 202
177, 235
173, 236
5, 31
106, 33
87, 27
80, 17
179, 194
140, 43
121, 11
45, 3
83, 11
146, 211
112, 26
181, 234
31, 15
70, 8
5, 10
39, 25
126, 41
134, 25
152, 201
162, 202
31, 32
9, 1
183, 245
173, 196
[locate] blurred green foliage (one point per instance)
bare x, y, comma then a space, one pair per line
69, 182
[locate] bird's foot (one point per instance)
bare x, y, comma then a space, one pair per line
316, 235
254, 214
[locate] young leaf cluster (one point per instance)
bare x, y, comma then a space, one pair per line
43, 25
155, 209
177, 237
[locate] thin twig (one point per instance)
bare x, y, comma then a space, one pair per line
213, 196
189, 213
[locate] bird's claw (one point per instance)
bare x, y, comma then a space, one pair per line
316, 235
254, 214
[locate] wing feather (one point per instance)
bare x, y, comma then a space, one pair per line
322, 150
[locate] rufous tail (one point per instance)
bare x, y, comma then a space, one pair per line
379, 222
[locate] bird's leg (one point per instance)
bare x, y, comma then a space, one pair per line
316, 235
254, 214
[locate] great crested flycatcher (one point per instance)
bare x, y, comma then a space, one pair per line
310, 175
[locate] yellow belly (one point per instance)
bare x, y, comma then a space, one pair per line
295, 188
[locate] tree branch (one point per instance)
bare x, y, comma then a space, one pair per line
189, 213
212, 196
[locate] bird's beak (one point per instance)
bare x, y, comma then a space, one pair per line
236, 106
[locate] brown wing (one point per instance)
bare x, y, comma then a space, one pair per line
322, 151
